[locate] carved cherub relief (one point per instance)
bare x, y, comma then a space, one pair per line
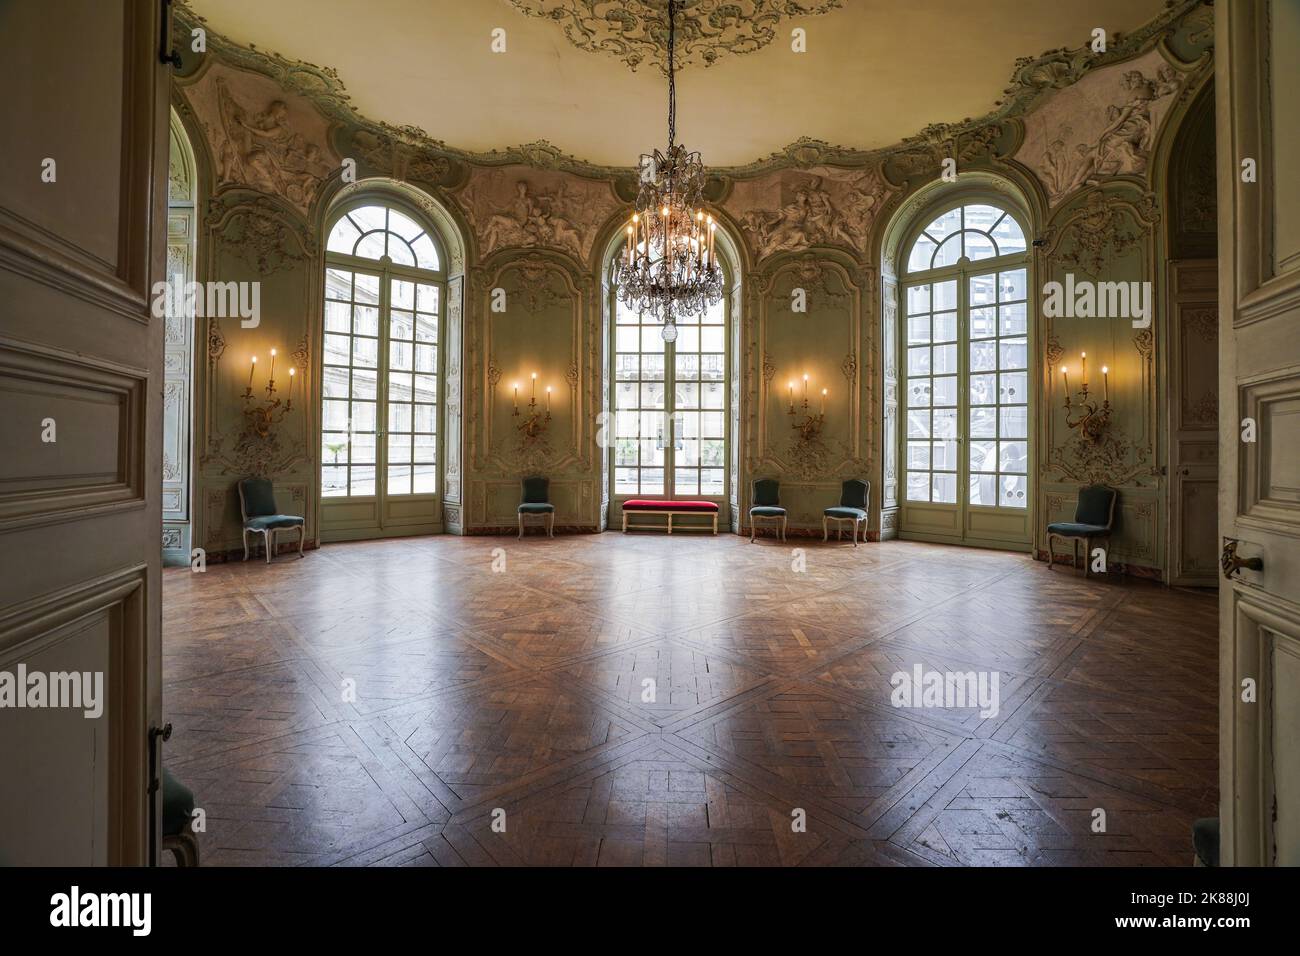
1104, 126
515, 212
262, 150
818, 210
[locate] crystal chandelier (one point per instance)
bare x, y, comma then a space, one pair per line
668, 267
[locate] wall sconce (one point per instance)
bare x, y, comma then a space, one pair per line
1086, 415
259, 417
811, 426
534, 423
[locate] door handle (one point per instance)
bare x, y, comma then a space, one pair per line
1232, 562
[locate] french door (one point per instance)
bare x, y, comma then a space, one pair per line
379, 402
670, 407
966, 401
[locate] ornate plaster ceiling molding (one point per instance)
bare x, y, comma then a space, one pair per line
1033, 79
636, 31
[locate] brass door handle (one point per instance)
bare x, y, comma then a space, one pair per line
1232, 563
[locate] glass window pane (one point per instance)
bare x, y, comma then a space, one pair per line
399, 479
945, 391
1013, 320
918, 329
945, 295
1014, 353
403, 294
984, 490
983, 323
343, 236
1011, 285
1013, 491
983, 389
945, 327
918, 299
1013, 457
918, 486
984, 456
918, 423
922, 252
1014, 422
918, 392
1013, 388
944, 361
948, 253
365, 320
1009, 235
983, 423
425, 479
979, 245
943, 487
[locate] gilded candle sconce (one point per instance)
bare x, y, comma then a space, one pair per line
1085, 413
535, 421
811, 425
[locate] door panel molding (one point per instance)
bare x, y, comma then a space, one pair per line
117, 603
110, 396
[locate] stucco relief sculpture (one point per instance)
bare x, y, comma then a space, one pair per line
261, 137
1104, 126
262, 150
512, 211
813, 210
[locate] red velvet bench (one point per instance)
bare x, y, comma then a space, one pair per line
669, 507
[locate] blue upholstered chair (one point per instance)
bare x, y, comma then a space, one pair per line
178, 819
1094, 517
261, 516
536, 503
766, 506
855, 495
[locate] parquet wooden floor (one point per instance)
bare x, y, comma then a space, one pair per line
608, 700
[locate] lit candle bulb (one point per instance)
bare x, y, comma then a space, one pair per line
823, 401
805, 390
548, 398
1105, 381
252, 367
291, 380
629, 245
516, 396
792, 396
1065, 375
534, 385
1083, 357
272, 365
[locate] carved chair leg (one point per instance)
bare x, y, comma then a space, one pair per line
550, 525
784, 521
268, 539
1087, 556
825, 529
753, 527
521, 524
245, 537
302, 536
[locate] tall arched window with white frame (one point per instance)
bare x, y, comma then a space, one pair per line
670, 404
385, 293
965, 328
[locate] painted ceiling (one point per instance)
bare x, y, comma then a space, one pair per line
586, 75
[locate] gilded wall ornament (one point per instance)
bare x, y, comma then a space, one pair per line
1099, 236
257, 233
636, 31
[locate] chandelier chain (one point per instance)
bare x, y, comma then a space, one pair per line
672, 80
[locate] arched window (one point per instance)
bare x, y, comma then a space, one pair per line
384, 299
670, 405
966, 375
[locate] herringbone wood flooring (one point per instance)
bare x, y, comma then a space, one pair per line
607, 700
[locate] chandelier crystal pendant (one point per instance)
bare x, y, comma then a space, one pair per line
669, 267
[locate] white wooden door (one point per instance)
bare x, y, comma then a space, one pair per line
1257, 73
82, 241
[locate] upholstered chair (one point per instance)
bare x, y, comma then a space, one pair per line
178, 820
855, 494
766, 506
261, 516
1094, 517
536, 503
